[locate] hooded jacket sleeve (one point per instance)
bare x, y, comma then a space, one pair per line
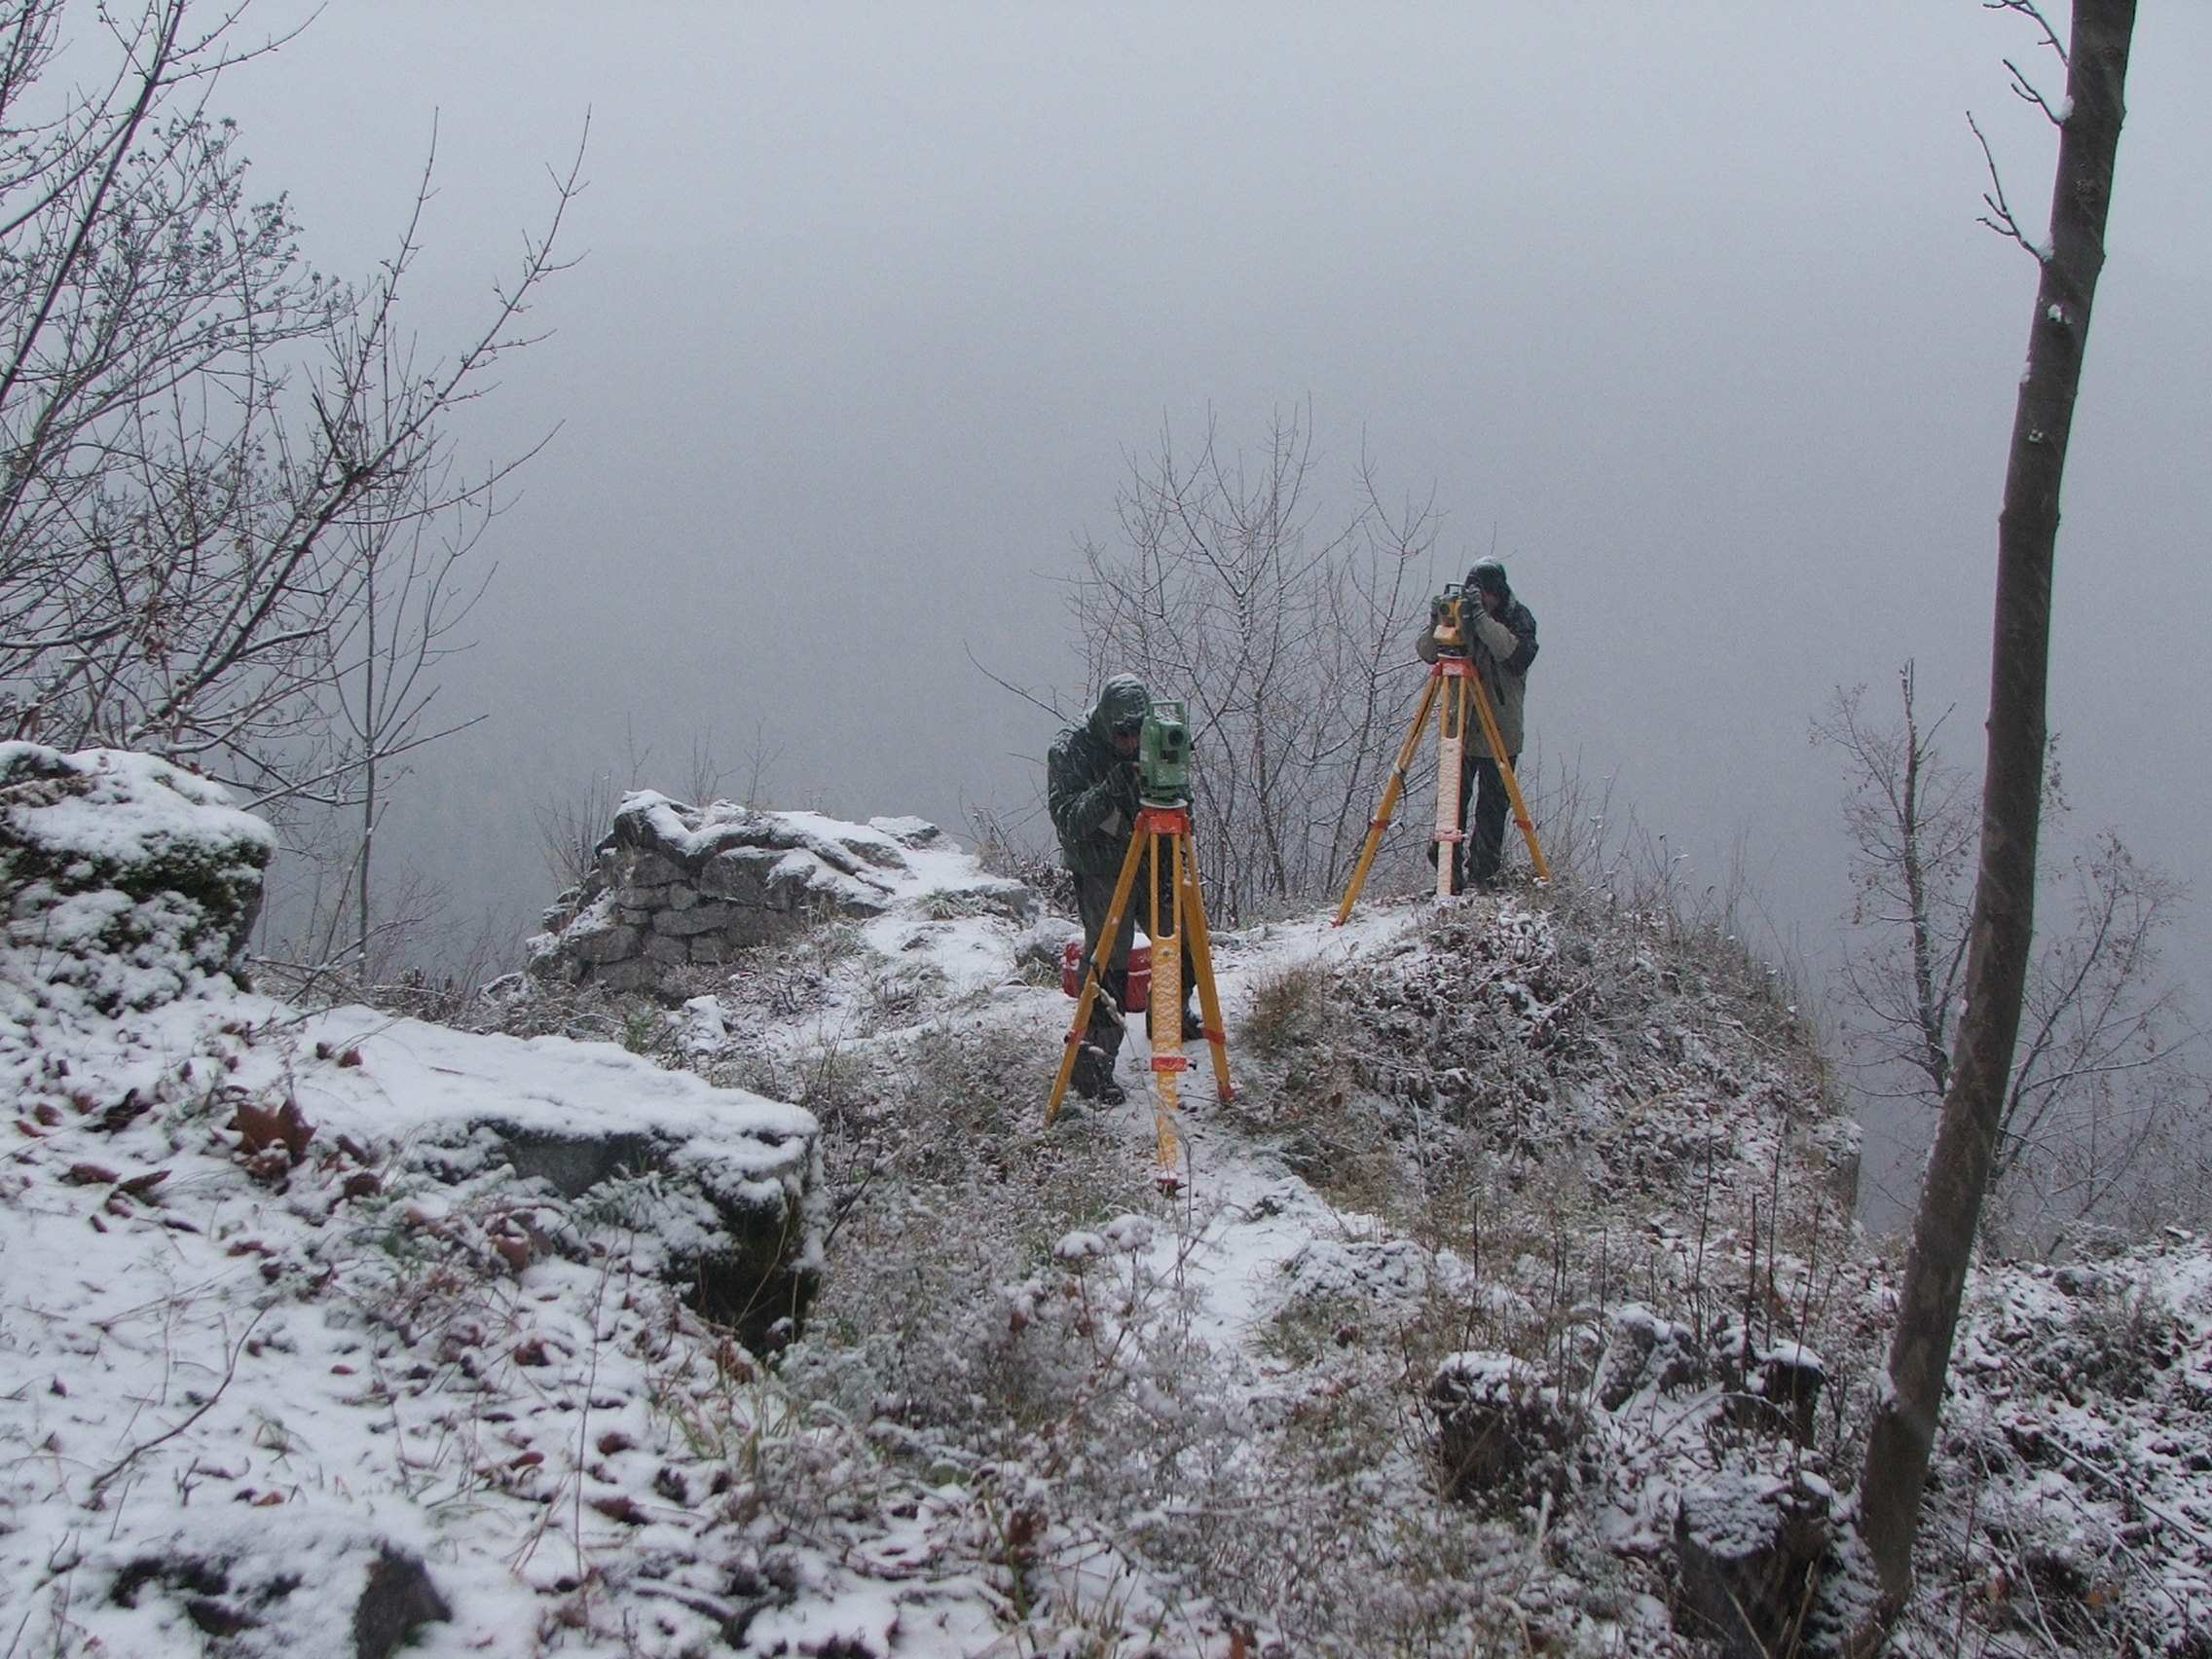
1511, 639
1081, 806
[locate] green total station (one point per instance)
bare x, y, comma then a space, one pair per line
1163, 756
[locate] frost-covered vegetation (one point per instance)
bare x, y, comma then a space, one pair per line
1512, 1306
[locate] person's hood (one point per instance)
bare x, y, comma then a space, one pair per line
1122, 697
1490, 573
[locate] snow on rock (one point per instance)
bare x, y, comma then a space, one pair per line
700, 1027
1503, 1432
678, 887
1752, 1548
334, 1333
714, 1180
127, 878
1786, 1381
1388, 1269
1645, 1356
311, 1320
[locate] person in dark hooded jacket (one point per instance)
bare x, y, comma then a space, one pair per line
1091, 791
1501, 643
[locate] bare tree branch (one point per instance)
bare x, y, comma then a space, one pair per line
233, 524
2025, 89
2034, 14
2000, 218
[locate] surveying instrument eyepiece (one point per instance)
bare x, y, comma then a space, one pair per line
1447, 620
1164, 757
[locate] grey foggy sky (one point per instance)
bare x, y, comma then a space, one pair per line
1686, 304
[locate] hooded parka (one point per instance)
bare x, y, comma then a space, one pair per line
1502, 648
1089, 791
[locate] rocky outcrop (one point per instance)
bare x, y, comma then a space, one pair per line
678, 887
124, 876
727, 1214
715, 1190
1762, 1557
324, 1312
1505, 1436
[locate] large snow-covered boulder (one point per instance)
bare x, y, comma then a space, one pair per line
124, 878
313, 1318
318, 1318
714, 1186
678, 887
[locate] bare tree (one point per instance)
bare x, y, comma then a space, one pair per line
572, 821
1911, 823
2003, 922
571, 827
2104, 1063
2100, 1066
200, 435
413, 584
1290, 640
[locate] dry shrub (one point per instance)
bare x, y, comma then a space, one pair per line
1287, 1008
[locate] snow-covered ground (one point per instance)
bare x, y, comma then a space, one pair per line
243, 1374
307, 1344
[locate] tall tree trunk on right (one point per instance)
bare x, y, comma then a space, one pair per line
1903, 1431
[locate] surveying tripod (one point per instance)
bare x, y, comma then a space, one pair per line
1452, 687
1160, 843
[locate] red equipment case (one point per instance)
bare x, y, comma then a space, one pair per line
1139, 995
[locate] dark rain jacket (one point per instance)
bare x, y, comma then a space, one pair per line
1501, 647
1092, 792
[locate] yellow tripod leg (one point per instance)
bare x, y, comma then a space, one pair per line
1391, 792
1209, 999
1094, 967
1450, 760
1512, 784
1168, 1058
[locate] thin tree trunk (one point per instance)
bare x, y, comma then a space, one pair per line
371, 726
1898, 1448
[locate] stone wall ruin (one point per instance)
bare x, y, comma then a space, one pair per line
675, 887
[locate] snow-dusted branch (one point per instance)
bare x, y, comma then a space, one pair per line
230, 1371
2027, 92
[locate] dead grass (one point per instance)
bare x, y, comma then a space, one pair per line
1287, 1008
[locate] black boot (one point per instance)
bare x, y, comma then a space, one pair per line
1093, 1076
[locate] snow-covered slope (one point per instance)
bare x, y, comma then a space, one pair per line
313, 1321
1511, 1306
